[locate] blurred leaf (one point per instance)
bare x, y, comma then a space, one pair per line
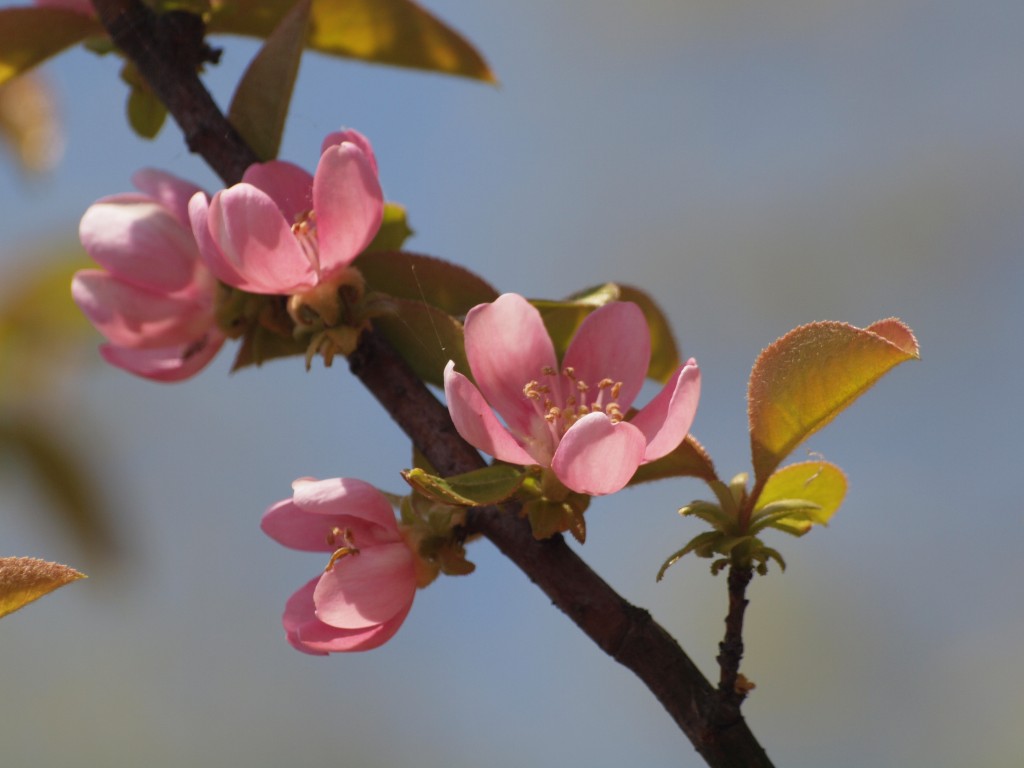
395, 32
24, 579
31, 35
61, 474
38, 320
425, 337
688, 460
819, 482
803, 380
479, 488
29, 123
260, 104
664, 351
442, 284
548, 518
394, 230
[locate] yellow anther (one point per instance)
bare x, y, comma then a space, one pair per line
582, 386
547, 370
569, 372
604, 383
616, 388
338, 554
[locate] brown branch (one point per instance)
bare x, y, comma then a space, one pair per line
622, 630
732, 689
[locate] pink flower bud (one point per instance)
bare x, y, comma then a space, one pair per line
154, 299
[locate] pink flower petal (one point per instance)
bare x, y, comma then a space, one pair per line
476, 422
256, 243
353, 137
213, 259
598, 457
349, 206
165, 365
367, 588
288, 185
140, 242
508, 346
310, 635
167, 190
668, 417
612, 342
134, 317
345, 496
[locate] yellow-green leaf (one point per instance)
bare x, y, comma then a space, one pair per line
688, 460
479, 488
442, 284
24, 579
819, 482
803, 380
396, 32
260, 104
562, 318
664, 351
31, 35
394, 230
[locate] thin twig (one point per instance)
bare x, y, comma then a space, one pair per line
625, 632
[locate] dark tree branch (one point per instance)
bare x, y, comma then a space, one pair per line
731, 688
169, 64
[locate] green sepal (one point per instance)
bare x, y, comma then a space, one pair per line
425, 337
394, 231
548, 517
414, 277
146, 113
688, 460
259, 107
479, 488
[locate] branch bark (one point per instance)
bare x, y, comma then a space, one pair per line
167, 51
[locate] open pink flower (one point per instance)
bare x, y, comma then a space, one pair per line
155, 300
569, 417
283, 231
366, 592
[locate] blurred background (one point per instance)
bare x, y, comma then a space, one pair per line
755, 166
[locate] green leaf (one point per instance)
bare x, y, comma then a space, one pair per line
260, 104
817, 482
441, 284
25, 579
479, 488
425, 337
688, 460
394, 230
146, 113
803, 380
396, 32
31, 35
664, 351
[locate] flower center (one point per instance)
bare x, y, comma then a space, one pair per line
350, 548
304, 230
580, 399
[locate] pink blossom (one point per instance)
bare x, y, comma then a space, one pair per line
366, 592
283, 231
571, 418
153, 300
